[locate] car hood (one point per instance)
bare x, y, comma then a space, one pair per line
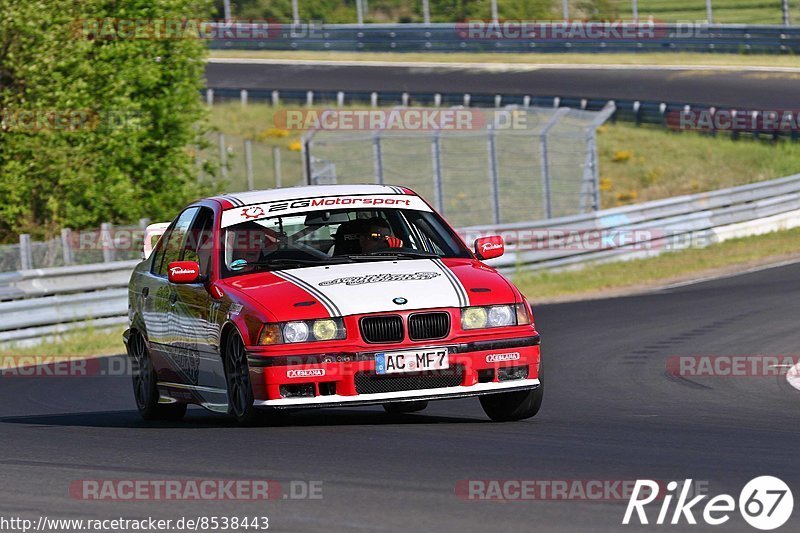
375, 287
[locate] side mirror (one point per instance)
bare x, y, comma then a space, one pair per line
184, 272
489, 247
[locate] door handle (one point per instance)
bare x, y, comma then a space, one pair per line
146, 292
173, 297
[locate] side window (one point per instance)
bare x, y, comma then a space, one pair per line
199, 241
172, 242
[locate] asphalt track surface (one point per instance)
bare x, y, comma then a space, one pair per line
610, 413
744, 89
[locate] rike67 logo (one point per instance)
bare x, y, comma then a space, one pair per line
765, 503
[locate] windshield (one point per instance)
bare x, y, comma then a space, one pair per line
329, 237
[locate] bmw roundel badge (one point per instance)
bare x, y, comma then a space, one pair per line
400, 300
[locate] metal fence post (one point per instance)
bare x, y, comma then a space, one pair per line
107, 241
377, 157
359, 13
709, 14
545, 160
635, 10
25, 252
436, 157
494, 178
785, 10
426, 12
565, 9
248, 161
223, 157
295, 13
66, 246
495, 15
276, 165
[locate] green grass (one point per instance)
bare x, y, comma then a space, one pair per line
595, 279
83, 343
650, 58
662, 163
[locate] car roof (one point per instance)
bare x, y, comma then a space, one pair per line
308, 191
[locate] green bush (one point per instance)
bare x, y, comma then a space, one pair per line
132, 108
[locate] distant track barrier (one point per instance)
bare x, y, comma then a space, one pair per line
511, 36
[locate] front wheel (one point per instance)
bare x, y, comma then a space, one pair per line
512, 406
145, 386
237, 375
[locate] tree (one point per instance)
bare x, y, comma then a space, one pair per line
96, 126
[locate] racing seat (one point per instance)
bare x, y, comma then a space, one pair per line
345, 241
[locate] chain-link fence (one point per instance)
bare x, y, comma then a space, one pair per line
104, 245
495, 174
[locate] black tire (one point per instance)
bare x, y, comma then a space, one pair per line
512, 406
237, 377
145, 387
399, 408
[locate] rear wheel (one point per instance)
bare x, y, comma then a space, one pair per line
511, 406
237, 375
145, 387
405, 407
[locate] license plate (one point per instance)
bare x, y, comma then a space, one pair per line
412, 361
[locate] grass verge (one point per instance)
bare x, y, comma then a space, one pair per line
644, 59
82, 343
624, 277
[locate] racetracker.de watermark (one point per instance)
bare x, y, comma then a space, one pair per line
601, 490
733, 120
572, 30
403, 119
729, 366
48, 366
15, 120
548, 239
194, 489
167, 29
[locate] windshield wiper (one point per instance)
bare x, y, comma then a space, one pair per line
395, 254
288, 261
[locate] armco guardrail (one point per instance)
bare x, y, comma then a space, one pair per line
511, 37
40, 303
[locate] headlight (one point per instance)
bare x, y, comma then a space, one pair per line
488, 317
473, 318
501, 315
295, 332
325, 329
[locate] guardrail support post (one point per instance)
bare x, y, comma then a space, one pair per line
377, 157
223, 157
373, 99
243, 97
210, 96
436, 158
276, 165
248, 161
340, 99
25, 251
494, 178
66, 246
107, 242
276, 98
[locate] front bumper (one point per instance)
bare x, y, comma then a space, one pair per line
330, 380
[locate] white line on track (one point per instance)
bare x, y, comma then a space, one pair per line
494, 67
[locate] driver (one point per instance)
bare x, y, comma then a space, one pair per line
374, 234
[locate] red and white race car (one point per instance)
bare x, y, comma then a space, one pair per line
325, 296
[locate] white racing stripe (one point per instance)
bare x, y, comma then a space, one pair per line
361, 288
